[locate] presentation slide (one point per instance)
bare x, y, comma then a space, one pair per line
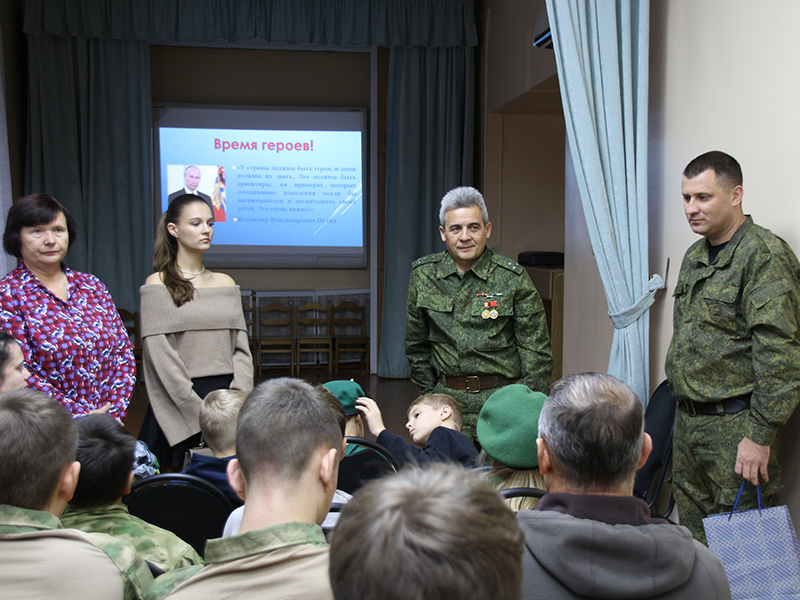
269, 188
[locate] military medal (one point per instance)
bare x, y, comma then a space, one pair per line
489, 306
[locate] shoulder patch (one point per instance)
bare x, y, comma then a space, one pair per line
507, 263
430, 258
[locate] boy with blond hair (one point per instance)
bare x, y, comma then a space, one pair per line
218, 423
434, 424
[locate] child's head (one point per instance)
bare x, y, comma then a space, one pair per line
38, 440
428, 412
347, 392
218, 420
106, 453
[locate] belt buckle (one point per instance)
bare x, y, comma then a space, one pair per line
469, 381
690, 408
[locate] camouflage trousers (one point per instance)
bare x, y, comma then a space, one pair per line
703, 469
470, 404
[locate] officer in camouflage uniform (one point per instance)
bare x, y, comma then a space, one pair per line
735, 351
38, 472
475, 321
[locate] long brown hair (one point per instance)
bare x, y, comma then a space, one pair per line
165, 251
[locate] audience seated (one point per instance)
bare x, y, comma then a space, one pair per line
347, 393
288, 444
507, 430
106, 454
218, 423
38, 475
434, 423
435, 532
589, 537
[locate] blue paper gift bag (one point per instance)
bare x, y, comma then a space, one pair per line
759, 551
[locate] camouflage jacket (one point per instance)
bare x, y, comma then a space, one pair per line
16, 522
289, 560
447, 330
158, 546
736, 328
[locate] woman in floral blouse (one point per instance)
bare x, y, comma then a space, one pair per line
75, 346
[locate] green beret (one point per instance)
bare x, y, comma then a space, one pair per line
346, 392
509, 425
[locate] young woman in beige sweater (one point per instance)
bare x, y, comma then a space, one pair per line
194, 335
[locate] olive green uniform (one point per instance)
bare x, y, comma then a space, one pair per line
451, 328
735, 333
158, 546
41, 559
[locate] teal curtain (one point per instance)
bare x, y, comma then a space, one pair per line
424, 23
6, 262
89, 146
602, 59
430, 151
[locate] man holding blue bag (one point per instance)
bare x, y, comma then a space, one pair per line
734, 356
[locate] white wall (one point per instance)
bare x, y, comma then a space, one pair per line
725, 75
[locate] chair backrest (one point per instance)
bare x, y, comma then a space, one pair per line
659, 423
132, 326
313, 320
522, 492
348, 319
189, 506
275, 321
372, 462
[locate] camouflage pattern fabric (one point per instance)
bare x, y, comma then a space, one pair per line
16, 522
704, 479
237, 558
735, 332
448, 331
158, 546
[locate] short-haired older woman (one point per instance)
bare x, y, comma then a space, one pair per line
74, 343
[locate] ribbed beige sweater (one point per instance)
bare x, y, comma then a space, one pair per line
206, 336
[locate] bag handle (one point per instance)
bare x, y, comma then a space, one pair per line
739, 495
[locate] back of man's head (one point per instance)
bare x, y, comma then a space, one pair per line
281, 425
106, 453
592, 425
431, 532
218, 416
725, 167
38, 440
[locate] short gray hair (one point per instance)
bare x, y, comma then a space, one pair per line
463, 197
593, 425
436, 531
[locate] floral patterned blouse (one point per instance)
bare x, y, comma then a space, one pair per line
76, 351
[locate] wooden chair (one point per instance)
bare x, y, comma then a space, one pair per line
275, 334
349, 333
313, 332
248, 311
134, 329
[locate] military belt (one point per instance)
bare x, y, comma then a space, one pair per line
729, 406
475, 383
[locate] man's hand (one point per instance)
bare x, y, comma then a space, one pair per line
372, 415
752, 458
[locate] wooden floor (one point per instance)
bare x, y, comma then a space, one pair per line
392, 395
